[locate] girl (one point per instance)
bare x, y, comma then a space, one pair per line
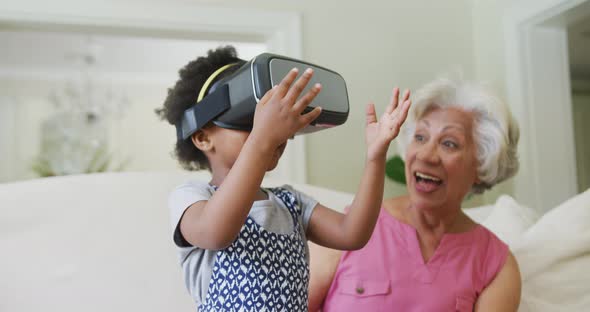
242, 247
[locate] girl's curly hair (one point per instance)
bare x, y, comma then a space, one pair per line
184, 95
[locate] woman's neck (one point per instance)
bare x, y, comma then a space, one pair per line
435, 221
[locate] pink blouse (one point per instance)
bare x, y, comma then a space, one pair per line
389, 273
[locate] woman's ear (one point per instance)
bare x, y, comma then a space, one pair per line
202, 140
477, 180
477, 176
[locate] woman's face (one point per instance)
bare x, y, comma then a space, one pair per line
441, 164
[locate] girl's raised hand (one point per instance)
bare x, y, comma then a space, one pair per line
278, 115
380, 133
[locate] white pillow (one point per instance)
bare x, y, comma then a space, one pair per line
560, 234
480, 213
509, 219
554, 258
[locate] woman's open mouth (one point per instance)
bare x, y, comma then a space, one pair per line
426, 182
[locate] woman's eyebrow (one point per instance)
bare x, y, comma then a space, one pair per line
458, 127
424, 121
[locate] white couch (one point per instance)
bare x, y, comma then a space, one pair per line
97, 242
102, 242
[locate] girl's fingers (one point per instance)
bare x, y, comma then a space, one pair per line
307, 118
305, 100
297, 88
283, 87
267, 96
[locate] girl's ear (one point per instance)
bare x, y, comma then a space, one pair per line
202, 140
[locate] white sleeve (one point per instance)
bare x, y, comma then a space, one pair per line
182, 197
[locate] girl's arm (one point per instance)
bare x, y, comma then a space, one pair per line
352, 230
215, 223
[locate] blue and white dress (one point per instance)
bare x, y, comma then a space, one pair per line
266, 268
261, 270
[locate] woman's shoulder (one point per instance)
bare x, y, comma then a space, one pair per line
492, 253
494, 245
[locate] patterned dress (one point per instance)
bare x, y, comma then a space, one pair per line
261, 270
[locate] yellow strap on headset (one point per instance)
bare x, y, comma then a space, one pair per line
210, 79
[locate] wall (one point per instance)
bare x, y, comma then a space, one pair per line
36, 65
375, 45
489, 60
125, 139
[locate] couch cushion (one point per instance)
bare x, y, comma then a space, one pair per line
89, 243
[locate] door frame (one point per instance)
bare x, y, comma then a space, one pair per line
539, 89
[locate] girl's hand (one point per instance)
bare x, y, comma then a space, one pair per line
379, 134
278, 114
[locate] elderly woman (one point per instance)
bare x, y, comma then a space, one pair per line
425, 254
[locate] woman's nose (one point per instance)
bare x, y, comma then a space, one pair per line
428, 153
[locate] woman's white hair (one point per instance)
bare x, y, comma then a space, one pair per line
495, 131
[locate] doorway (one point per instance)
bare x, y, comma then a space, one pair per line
538, 83
579, 61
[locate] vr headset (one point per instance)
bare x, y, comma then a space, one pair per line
231, 101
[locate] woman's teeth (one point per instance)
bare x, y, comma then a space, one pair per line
424, 176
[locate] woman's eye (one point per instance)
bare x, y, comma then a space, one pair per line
450, 144
418, 138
